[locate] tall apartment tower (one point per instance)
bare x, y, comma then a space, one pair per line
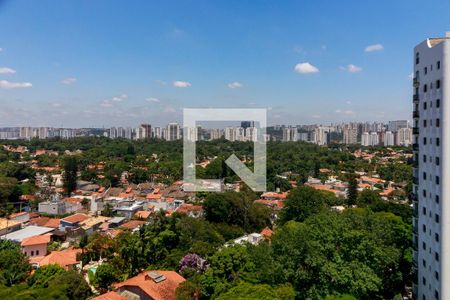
431, 200
173, 132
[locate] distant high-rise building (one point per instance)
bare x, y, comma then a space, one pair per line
396, 125
350, 135
215, 134
289, 134
389, 138
251, 134
157, 133
26, 133
370, 139
173, 132
129, 133
140, 133
247, 124
404, 137
148, 130
230, 134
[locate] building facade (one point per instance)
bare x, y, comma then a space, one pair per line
431, 200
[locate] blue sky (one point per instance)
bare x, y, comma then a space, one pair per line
105, 62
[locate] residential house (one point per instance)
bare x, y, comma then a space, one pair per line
19, 235
72, 222
67, 259
36, 245
151, 285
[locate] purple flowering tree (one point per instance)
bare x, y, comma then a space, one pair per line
191, 263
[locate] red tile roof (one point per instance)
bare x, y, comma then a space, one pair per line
267, 232
45, 221
109, 296
186, 207
36, 240
76, 218
274, 195
164, 290
65, 258
153, 196
132, 224
142, 214
278, 204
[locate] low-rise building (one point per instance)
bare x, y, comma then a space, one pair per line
151, 285
35, 245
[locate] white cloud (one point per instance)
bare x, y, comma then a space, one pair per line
351, 68
7, 71
120, 98
411, 76
234, 85
110, 102
4, 84
374, 47
153, 100
69, 80
306, 68
345, 112
181, 84
348, 102
56, 105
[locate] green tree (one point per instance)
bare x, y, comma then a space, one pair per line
105, 275
14, 266
70, 164
43, 275
352, 191
244, 291
301, 203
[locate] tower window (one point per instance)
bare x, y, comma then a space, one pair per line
438, 84
436, 237
425, 70
437, 161
438, 122
436, 198
437, 179
425, 88
417, 58
436, 218
438, 103
437, 141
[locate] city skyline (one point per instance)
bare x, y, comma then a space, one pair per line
305, 67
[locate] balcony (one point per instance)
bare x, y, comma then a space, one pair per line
415, 258
416, 82
415, 130
415, 225
415, 98
415, 147
415, 114
415, 243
